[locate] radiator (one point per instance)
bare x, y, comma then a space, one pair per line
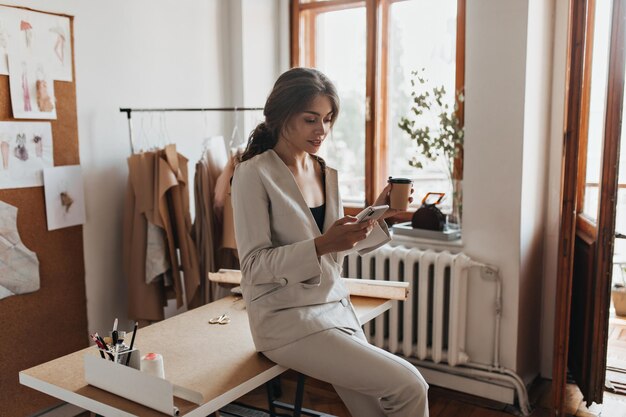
430, 324
429, 328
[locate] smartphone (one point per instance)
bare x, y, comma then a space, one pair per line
371, 213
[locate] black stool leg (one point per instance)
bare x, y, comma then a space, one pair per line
297, 405
271, 395
277, 386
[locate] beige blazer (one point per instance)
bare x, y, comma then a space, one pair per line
290, 293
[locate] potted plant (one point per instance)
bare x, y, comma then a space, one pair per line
438, 133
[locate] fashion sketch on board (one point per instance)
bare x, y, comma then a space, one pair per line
32, 90
4, 45
59, 44
40, 36
26, 149
65, 200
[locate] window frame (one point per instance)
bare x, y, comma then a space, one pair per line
302, 21
584, 223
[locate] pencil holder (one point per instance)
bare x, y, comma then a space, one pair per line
127, 357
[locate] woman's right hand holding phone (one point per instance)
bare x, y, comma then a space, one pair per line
342, 235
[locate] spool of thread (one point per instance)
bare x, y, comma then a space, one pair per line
152, 363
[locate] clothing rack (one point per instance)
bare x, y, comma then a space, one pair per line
129, 112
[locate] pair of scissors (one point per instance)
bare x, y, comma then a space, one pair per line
223, 319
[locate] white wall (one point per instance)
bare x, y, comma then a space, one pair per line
259, 52
534, 159
515, 77
495, 66
135, 54
553, 193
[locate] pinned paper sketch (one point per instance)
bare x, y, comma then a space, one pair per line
26, 149
20, 150
41, 36
65, 201
19, 267
4, 46
32, 93
59, 44
57, 47
27, 29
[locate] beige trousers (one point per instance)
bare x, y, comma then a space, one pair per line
371, 381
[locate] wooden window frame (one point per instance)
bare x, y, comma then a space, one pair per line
584, 223
377, 15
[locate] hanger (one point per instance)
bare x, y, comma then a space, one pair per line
144, 140
233, 135
205, 139
164, 136
149, 143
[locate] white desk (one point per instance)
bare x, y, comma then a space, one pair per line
218, 361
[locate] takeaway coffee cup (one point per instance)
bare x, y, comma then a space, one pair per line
400, 193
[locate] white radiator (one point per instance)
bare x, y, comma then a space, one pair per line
429, 328
430, 324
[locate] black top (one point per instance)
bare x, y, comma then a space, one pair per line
318, 214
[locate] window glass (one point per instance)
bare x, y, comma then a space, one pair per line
341, 54
411, 34
620, 210
422, 34
597, 106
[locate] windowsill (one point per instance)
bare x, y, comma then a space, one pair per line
453, 246
399, 218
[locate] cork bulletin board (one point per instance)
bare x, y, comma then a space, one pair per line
51, 322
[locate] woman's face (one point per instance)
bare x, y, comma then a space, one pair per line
307, 130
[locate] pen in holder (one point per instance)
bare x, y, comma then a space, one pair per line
117, 338
127, 357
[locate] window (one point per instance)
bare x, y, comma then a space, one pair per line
595, 83
369, 48
596, 78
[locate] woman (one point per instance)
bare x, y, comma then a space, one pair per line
291, 234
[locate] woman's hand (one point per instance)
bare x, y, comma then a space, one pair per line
342, 235
383, 198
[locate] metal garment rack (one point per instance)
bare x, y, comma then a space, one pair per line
129, 112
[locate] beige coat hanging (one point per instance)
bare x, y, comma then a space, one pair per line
158, 196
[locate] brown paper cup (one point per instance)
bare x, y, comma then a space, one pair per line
400, 193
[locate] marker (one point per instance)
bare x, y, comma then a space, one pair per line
115, 339
101, 341
132, 342
104, 345
98, 345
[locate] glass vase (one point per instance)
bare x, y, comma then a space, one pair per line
455, 216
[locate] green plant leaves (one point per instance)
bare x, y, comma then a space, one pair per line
436, 130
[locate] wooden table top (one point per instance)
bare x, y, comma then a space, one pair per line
218, 361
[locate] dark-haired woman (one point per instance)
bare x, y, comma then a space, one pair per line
291, 235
